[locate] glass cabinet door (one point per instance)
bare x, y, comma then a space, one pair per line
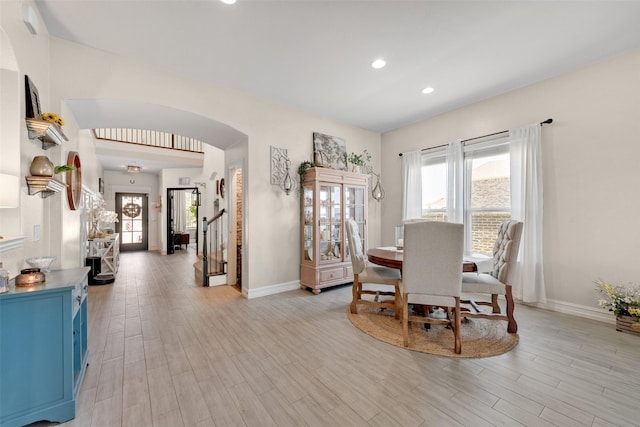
308, 225
354, 205
330, 213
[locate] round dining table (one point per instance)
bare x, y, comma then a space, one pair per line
392, 258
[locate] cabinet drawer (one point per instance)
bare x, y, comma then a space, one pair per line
333, 274
348, 272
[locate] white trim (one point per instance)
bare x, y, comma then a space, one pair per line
11, 242
271, 290
584, 311
576, 310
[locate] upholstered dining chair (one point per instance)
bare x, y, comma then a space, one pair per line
432, 273
372, 276
496, 282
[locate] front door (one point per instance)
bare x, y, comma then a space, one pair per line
132, 222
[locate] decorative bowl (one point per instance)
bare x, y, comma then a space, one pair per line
41, 262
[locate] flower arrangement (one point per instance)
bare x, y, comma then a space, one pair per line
623, 301
98, 219
359, 159
52, 118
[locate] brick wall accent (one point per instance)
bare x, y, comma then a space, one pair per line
238, 224
486, 193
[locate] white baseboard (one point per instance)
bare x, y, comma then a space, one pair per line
587, 312
577, 310
270, 290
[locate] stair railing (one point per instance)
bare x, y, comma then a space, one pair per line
215, 247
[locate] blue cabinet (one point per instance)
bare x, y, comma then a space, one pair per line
43, 348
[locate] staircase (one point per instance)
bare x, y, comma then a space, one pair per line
211, 270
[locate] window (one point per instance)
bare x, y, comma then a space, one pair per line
487, 193
192, 211
434, 186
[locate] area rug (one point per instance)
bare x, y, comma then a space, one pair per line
480, 337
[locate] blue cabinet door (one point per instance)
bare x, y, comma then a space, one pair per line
40, 329
35, 356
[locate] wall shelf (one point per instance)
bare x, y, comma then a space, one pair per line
50, 134
44, 185
8, 243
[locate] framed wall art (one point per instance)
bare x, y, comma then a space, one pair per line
329, 151
32, 99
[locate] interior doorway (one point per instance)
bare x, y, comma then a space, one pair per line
182, 218
133, 223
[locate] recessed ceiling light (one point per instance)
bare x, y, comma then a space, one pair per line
427, 90
228, 1
378, 63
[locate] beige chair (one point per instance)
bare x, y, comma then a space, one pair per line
432, 273
505, 254
373, 276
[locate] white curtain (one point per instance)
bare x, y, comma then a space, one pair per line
179, 211
526, 206
412, 185
455, 186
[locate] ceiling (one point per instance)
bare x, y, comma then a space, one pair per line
316, 56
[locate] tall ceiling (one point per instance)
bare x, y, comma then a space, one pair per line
316, 56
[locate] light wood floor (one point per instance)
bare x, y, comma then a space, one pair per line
164, 352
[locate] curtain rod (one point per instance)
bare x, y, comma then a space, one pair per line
546, 122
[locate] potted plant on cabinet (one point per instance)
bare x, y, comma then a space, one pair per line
359, 162
302, 170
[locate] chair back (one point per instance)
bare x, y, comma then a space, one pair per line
505, 250
355, 246
432, 261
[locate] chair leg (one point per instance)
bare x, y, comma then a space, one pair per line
456, 327
355, 291
398, 302
512, 326
405, 320
494, 303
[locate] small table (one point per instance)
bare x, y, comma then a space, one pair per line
180, 239
392, 258
107, 248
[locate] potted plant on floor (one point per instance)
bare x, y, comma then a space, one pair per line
625, 304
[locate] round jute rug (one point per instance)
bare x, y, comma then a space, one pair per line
480, 337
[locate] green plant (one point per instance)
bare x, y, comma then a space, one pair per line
304, 166
359, 159
302, 169
62, 168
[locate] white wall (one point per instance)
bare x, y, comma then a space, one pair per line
591, 171
272, 219
60, 226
